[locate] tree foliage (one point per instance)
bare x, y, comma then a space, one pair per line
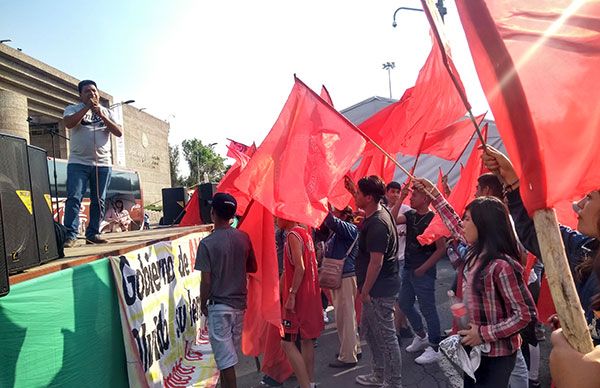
176, 179
204, 163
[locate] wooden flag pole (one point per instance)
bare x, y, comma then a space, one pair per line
561, 282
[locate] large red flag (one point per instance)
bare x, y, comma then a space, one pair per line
462, 193
431, 106
263, 286
538, 63
308, 150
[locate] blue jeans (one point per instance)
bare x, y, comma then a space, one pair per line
377, 326
78, 176
421, 289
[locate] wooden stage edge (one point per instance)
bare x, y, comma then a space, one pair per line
118, 244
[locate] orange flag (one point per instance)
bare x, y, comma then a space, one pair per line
263, 286
538, 63
308, 150
462, 193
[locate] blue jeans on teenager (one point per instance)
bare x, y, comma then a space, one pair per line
78, 176
421, 289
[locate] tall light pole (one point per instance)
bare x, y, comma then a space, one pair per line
389, 66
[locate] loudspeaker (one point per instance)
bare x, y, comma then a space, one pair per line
205, 194
174, 200
4, 285
42, 204
16, 205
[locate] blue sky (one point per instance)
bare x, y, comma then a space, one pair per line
223, 69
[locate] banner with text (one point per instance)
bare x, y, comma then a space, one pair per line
159, 295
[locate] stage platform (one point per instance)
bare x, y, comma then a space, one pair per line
118, 244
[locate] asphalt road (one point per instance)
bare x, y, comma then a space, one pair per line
440, 374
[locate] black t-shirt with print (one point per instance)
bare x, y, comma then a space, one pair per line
416, 254
378, 234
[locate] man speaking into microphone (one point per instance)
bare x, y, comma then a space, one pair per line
90, 126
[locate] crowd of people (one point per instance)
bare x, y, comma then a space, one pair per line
386, 273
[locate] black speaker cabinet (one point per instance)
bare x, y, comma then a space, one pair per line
4, 286
174, 200
16, 205
42, 204
206, 192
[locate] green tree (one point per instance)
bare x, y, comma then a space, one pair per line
176, 179
203, 162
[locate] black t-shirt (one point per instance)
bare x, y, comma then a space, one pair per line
416, 254
378, 234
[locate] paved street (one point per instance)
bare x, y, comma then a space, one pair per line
414, 375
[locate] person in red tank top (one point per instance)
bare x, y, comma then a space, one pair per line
301, 315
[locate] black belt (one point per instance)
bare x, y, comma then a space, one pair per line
212, 302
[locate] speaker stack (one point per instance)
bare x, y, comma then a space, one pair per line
42, 204
174, 200
27, 235
206, 192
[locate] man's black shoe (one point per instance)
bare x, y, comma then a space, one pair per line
95, 240
339, 364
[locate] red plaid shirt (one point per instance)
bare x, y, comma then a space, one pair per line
504, 306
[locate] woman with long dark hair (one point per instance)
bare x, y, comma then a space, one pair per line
568, 367
490, 283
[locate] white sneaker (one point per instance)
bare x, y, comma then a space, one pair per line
418, 344
325, 316
429, 356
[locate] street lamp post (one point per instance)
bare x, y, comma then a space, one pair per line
121, 103
389, 66
440, 6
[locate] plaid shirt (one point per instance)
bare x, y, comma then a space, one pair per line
504, 306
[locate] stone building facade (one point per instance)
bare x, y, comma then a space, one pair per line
33, 96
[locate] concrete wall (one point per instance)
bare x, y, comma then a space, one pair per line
147, 151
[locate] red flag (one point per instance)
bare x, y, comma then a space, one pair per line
263, 286
431, 106
325, 95
308, 150
192, 211
440, 183
235, 146
226, 185
538, 63
462, 194
240, 157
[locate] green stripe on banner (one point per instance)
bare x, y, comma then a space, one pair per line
63, 330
